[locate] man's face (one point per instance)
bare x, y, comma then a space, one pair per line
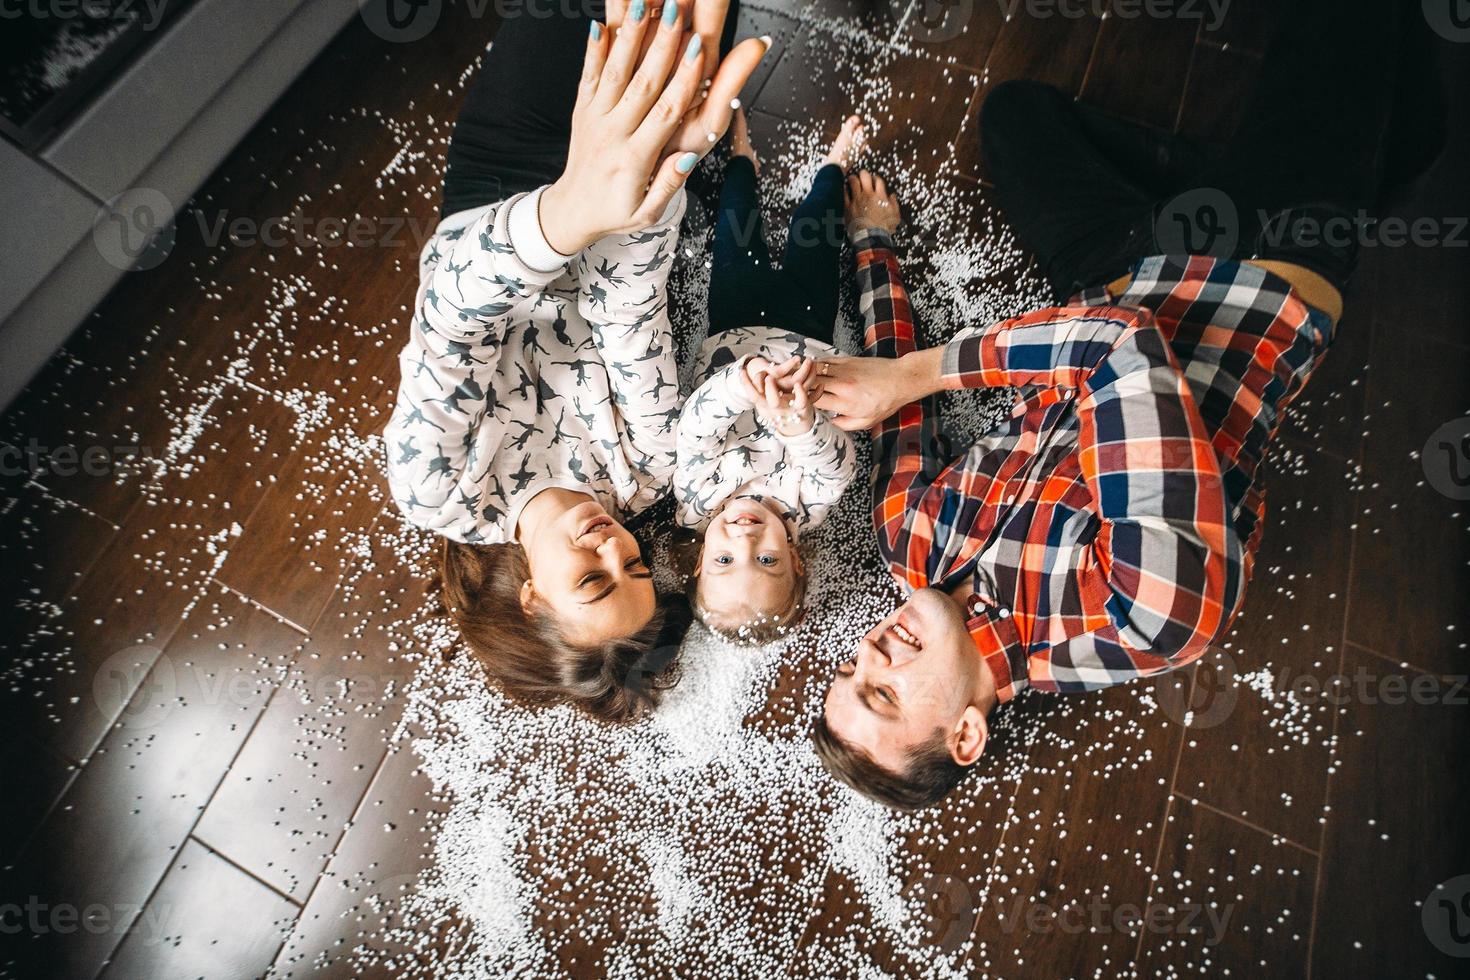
913, 673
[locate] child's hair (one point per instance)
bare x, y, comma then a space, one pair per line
760, 626
616, 681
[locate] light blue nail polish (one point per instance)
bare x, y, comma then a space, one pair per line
692, 51
686, 162
596, 30
636, 10
671, 12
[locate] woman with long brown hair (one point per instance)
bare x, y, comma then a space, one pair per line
539, 390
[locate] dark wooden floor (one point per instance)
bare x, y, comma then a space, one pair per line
196, 695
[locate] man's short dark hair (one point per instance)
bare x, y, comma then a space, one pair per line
931, 775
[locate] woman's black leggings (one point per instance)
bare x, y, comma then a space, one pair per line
802, 295
514, 126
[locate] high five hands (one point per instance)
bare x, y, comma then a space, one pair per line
640, 123
858, 392
707, 20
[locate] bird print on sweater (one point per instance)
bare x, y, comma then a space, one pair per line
515, 380
725, 451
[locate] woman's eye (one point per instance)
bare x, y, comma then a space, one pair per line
632, 563
591, 579
886, 694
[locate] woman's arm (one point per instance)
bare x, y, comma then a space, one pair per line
623, 295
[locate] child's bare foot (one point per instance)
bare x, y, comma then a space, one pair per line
848, 144
740, 144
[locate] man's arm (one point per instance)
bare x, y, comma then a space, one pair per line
906, 458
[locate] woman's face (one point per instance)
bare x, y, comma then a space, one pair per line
588, 573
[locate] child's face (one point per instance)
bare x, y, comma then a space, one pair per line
748, 564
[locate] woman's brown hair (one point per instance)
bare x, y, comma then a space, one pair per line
525, 653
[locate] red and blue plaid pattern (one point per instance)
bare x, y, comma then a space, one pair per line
1107, 528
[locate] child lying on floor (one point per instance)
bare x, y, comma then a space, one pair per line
757, 463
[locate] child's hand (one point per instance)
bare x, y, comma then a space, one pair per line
780, 393
869, 205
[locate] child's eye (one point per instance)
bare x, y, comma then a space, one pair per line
766, 560
724, 559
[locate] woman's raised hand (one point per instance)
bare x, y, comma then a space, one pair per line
631, 148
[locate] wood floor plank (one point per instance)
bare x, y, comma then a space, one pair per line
1140, 65
125, 816
345, 925
1086, 828
1398, 797
84, 652
782, 29
1055, 50
1415, 391
34, 778
1260, 737
1217, 93
1049, 48
298, 780
960, 32
207, 919
1235, 901
36, 531
1242, 25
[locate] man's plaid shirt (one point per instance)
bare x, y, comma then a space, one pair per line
1108, 527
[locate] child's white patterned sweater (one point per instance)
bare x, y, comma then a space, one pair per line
725, 451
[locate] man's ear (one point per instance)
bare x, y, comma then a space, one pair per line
528, 597
971, 732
